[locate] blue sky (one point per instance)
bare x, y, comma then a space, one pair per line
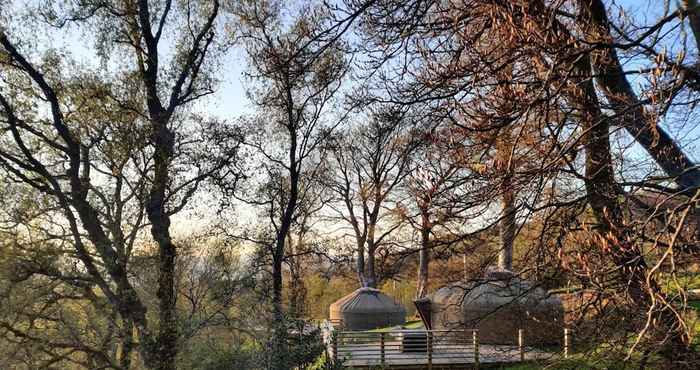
230, 102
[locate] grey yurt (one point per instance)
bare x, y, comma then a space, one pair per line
497, 305
367, 308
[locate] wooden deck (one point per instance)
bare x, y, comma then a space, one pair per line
424, 349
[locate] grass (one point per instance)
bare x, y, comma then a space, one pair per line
694, 305
410, 325
686, 281
417, 324
526, 366
576, 361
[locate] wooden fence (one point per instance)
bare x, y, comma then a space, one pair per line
426, 348
405, 347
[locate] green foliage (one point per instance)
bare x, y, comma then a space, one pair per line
220, 356
325, 363
529, 366
582, 362
403, 292
695, 305
687, 281
305, 343
322, 291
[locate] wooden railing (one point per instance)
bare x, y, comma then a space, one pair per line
425, 348
405, 347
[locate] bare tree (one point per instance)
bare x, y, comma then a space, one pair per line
432, 186
630, 111
297, 70
370, 161
452, 56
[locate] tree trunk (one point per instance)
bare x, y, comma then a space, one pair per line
127, 344
370, 275
627, 107
504, 156
423, 257
505, 255
280, 355
361, 263
297, 294
693, 9
507, 225
166, 345
370, 272
604, 197
279, 340
603, 192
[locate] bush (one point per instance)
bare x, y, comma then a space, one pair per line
218, 356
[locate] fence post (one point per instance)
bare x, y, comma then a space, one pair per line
334, 340
466, 341
430, 350
475, 340
381, 347
520, 345
566, 342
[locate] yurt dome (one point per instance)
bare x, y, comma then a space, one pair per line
498, 305
367, 308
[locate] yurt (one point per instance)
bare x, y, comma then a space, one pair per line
497, 305
367, 308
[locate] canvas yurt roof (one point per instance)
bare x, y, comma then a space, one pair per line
367, 308
498, 305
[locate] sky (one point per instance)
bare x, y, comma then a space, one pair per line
230, 101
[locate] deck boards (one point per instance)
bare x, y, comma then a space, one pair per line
366, 354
